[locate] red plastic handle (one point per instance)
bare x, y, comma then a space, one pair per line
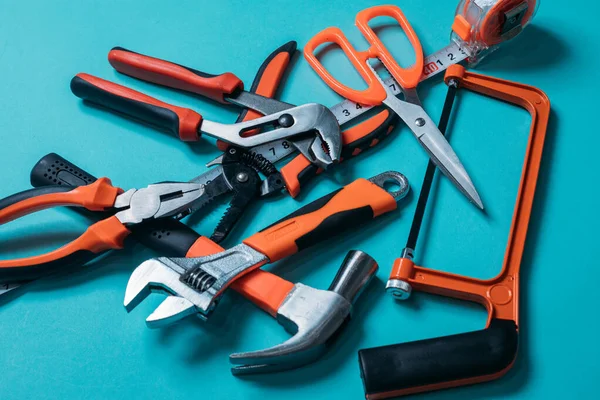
155, 70
181, 122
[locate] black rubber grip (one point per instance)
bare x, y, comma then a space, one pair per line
389, 370
169, 237
366, 142
334, 225
52, 169
27, 194
310, 207
156, 116
24, 274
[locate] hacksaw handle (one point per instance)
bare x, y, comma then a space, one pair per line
449, 361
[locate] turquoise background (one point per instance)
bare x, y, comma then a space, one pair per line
68, 336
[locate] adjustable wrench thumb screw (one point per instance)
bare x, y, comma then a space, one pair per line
313, 316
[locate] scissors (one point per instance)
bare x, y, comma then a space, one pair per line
410, 109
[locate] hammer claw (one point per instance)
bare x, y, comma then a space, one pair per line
273, 359
313, 317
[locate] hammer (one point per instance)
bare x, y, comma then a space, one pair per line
313, 317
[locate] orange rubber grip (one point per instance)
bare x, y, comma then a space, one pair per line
318, 221
97, 196
107, 234
182, 122
268, 80
165, 73
375, 93
262, 288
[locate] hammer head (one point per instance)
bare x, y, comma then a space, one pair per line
313, 317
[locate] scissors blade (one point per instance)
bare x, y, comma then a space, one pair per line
430, 138
436, 145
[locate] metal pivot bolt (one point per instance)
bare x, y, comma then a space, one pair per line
242, 177
286, 120
401, 290
420, 122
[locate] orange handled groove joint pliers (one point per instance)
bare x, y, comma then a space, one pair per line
227, 88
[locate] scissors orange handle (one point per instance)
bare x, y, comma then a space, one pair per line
375, 94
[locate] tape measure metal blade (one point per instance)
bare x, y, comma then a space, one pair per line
7, 287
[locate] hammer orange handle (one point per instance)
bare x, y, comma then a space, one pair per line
95, 197
355, 140
181, 122
165, 73
264, 289
349, 207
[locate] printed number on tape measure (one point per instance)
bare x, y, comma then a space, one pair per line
432, 65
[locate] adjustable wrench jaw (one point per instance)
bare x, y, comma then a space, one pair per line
323, 145
193, 285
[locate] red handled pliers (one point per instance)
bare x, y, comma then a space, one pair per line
130, 208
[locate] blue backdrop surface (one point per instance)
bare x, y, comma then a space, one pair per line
69, 337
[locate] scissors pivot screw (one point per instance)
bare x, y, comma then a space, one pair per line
420, 122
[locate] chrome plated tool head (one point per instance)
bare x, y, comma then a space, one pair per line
193, 285
313, 316
156, 201
311, 128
